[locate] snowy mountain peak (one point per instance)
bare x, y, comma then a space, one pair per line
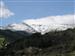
33, 28
20, 27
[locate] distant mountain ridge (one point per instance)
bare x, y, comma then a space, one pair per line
33, 28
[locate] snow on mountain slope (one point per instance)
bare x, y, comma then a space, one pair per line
51, 27
32, 28
20, 27
44, 25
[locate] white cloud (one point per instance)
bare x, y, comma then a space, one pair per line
4, 11
60, 19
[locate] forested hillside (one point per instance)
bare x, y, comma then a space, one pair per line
11, 36
56, 43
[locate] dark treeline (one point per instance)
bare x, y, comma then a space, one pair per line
56, 43
11, 36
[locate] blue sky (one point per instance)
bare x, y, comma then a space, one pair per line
29, 9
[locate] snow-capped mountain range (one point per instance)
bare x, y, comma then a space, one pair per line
33, 28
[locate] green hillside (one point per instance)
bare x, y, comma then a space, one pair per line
12, 36
57, 43
2, 40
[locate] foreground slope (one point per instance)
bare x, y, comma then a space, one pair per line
57, 43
